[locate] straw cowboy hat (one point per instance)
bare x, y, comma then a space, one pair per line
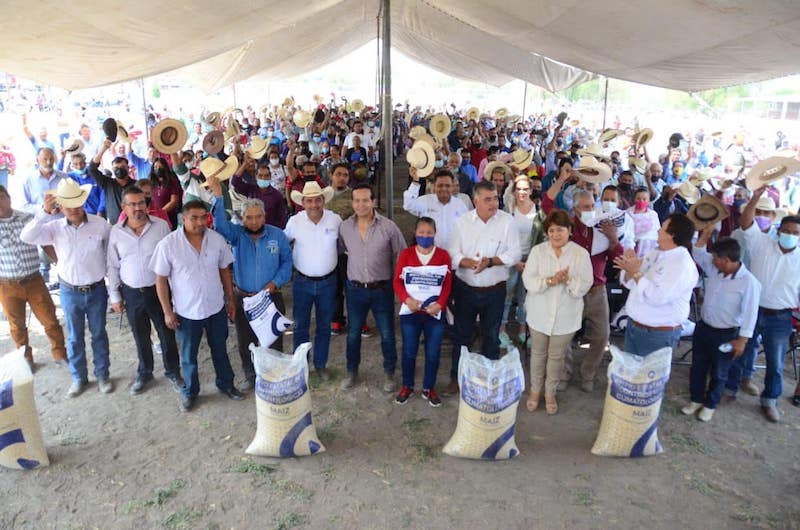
609, 134
312, 189
521, 159
416, 132
317, 99
492, 166
213, 142
75, 147
501, 113
440, 126
770, 170
422, 157
357, 106
637, 163
473, 113
595, 150
122, 133
642, 137
592, 170
688, 191
258, 148
214, 167
301, 118
708, 210
264, 109
69, 194
169, 136
700, 176
288, 101
213, 118
233, 130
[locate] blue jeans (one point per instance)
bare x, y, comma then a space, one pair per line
470, 303
775, 331
642, 341
359, 302
78, 308
744, 367
412, 326
515, 290
189, 334
707, 359
322, 295
142, 307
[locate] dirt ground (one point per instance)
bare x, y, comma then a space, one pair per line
122, 461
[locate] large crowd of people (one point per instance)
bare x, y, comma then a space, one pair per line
533, 214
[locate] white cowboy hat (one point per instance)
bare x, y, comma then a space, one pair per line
288, 101
770, 170
688, 191
69, 194
765, 204
501, 113
491, 166
232, 130
357, 106
592, 170
473, 113
317, 98
416, 132
301, 118
609, 134
122, 133
642, 137
75, 147
213, 118
214, 167
258, 147
708, 210
440, 126
422, 157
521, 159
169, 136
700, 176
638, 164
312, 189
595, 150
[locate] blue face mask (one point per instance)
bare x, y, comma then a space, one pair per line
439, 163
787, 241
263, 183
424, 242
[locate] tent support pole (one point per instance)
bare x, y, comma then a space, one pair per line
144, 110
605, 104
386, 107
524, 100
233, 87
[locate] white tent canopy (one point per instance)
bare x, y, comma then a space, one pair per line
683, 44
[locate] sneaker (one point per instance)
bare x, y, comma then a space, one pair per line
749, 387
177, 383
349, 381
404, 395
105, 385
389, 385
587, 386
336, 329
691, 408
451, 389
323, 374
365, 332
187, 403
76, 388
705, 414
432, 398
771, 413
139, 383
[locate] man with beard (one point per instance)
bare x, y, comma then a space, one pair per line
112, 187
46, 179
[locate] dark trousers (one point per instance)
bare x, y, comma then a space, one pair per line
472, 302
245, 335
359, 302
143, 307
708, 360
341, 278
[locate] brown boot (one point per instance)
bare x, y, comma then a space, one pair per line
451, 389
750, 387
772, 414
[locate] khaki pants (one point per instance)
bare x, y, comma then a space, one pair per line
14, 295
596, 332
547, 360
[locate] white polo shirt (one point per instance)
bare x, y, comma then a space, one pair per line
778, 273
314, 252
193, 276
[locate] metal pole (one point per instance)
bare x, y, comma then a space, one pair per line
233, 87
144, 109
605, 104
524, 101
386, 102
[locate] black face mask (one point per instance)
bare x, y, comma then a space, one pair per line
625, 187
147, 201
120, 173
536, 195
476, 146
254, 232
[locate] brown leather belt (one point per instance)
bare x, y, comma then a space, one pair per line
495, 287
655, 328
19, 281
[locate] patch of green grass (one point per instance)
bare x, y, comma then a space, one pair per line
247, 466
182, 519
288, 520
702, 487
327, 433
747, 513
160, 496
205, 424
582, 476
423, 452
416, 425
69, 438
291, 489
690, 443
328, 473
583, 497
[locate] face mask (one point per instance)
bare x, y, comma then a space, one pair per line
476, 145
641, 205
424, 242
254, 232
317, 138
262, 183
326, 149
625, 187
586, 217
536, 195
439, 163
609, 206
120, 173
466, 162
274, 161
763, 222
370, 124
787, 241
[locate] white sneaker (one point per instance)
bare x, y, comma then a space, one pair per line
691, 408
705, 414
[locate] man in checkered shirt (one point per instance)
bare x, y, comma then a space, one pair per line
21, 284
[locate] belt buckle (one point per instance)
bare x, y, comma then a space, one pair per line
84, 288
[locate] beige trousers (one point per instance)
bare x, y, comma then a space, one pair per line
547, 360
596, 331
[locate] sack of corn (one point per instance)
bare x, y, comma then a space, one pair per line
21, 445
283, 403
633, 401
489, 392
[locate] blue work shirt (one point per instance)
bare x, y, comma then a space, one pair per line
96, 201
255, 262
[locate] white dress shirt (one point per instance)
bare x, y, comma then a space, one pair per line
557, 309
730, 301
81, 249
129, 256
474, 239
661, 296
778, 273
315, 251
193, 277
445, 215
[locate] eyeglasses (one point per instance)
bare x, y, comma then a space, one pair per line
138, 204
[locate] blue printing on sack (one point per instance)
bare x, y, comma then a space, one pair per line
281, 392
260, 309
490, 401
637, 395
431, 280
313, 446
492, 450
6, 394
11, 438
287, 444
275, 318
24, 463
641, 443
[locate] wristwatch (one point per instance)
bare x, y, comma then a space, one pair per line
491, 263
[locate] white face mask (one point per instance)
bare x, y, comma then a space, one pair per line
274, 162
609, 206
586, 217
